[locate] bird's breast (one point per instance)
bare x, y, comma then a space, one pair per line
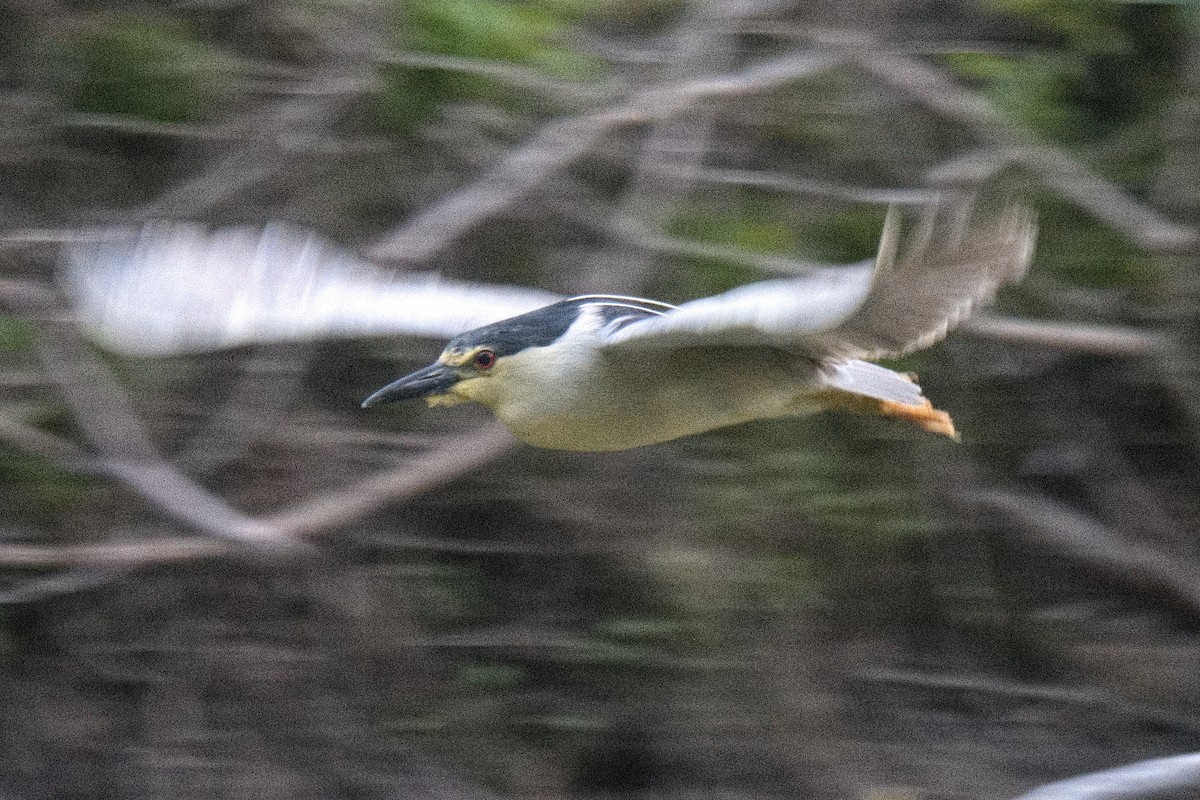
618, 403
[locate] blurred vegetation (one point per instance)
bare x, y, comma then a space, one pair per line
759, 612
158, 70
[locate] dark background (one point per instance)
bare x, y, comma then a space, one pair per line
220, 578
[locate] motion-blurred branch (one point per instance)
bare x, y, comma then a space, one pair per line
1053, 694
125, 124
516, 76
563, 141
633, 231
271, 134
786, 183
71, 581
453, 457
108, 421
126, 453
1058, 168
699, 45
1087, 541
1105, 340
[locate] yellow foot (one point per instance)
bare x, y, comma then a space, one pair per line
925, 415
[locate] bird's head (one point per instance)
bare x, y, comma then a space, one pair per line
483, 364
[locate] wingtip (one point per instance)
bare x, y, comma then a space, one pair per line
889, 239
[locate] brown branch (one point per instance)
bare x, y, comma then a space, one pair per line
1092, 544
126, 453
1057, 168
159, 550
1105, 340
520, 77
454, 457
561, 142
264, 149
803, 186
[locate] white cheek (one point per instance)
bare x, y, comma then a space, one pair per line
559, 376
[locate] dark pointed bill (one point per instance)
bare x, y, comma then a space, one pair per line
431, 380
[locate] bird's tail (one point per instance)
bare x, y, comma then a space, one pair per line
866, 388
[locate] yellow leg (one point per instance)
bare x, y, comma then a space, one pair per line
924, 415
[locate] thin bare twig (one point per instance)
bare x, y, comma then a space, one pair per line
520, 77
700, 46
563, 141
1046, 693
72, 581
786, 183
1105, 340
126, 453
1058, 168
1094, 545
453, 457
159, 550
127, 124
634, 232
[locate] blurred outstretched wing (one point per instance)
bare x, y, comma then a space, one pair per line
171, 288
898, 304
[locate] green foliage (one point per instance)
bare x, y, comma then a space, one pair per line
811, 506
16, 335
639, 629
146, 67
1078, 250
490, 676
32, 487
1035, 89
445, 595
530, 35
757, 230
520, 33
1094, 66
1089, 26
846, 237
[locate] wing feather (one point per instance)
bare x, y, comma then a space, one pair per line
172, 288
949, 270
769, 312
901, 302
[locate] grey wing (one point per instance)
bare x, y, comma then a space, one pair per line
774, 313
949, 267
898, 304
171, 288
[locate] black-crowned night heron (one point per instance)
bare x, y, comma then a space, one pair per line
597, 372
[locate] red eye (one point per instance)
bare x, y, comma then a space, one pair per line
485, 359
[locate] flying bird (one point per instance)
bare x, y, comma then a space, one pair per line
593, 372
